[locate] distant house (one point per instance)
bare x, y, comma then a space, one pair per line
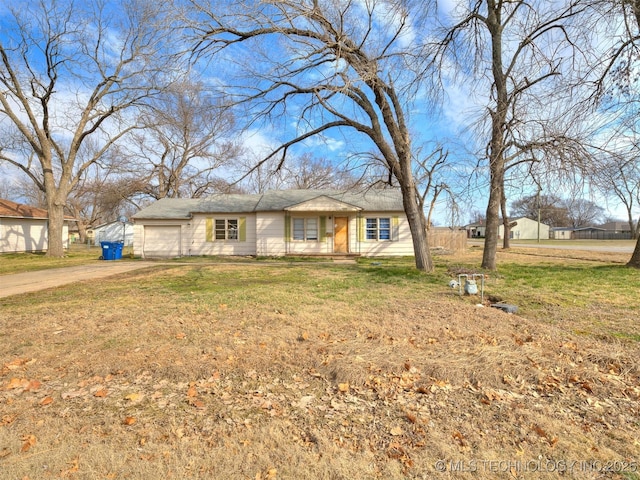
561, 233
476, 230
607, 231
617, 230
525, 229
112, 232
276, 223
24, 228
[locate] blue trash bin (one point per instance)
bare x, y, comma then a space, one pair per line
110, 250
118, 250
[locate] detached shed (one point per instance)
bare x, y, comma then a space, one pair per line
113, 232
24, 228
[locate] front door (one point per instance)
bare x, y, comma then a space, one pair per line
341, 235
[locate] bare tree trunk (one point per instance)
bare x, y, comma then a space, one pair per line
418, 227
55, 228
506, 241
492, 216
635, 257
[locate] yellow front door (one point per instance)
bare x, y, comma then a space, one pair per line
341, 235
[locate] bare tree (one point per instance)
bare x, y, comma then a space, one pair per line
335, 65
622, 179
70, 71
551, 208
188, 136
618, 86
517, 50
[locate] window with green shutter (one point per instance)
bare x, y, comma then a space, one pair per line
304, 229
226, 229
378, 229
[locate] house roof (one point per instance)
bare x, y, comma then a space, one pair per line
17, 210
272, 200
577, 229
616, 225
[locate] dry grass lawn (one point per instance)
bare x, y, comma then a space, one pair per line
315, 371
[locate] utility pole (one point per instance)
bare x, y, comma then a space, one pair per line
538, 200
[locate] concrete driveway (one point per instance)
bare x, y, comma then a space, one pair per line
41, 279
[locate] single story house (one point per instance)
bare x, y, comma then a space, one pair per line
276, 223
476, 230
112, 232
24, 228
561, 233
525, 229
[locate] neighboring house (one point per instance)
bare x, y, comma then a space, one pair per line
276, 223
113, 232
24, 228
525, 229
476, 230
561, 233
617, 230
607, 231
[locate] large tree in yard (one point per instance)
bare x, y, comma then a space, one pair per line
514, 54
333, 66
619, 85
70, 72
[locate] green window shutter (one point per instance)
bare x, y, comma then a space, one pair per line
361, 229
243, 229
287, 228
395, 222
209, 229
323, 229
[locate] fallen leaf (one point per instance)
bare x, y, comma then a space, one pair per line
459, 437
129, 420
134, 397
33, 385
103, 392
46, 401
192, 392
7, 420
74, 468
180, 335
29, 441
15, 383
15, 364
343, 387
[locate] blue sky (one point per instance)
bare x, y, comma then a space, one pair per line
449, 123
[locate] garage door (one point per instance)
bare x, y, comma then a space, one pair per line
161, 241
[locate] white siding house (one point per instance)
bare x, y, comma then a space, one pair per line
24, 228
525, 229
276, 223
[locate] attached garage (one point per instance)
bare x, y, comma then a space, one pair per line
162, 241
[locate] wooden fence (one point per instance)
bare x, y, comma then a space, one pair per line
447, 239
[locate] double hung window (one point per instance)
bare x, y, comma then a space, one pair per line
226, 229
378, 228
305, 229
